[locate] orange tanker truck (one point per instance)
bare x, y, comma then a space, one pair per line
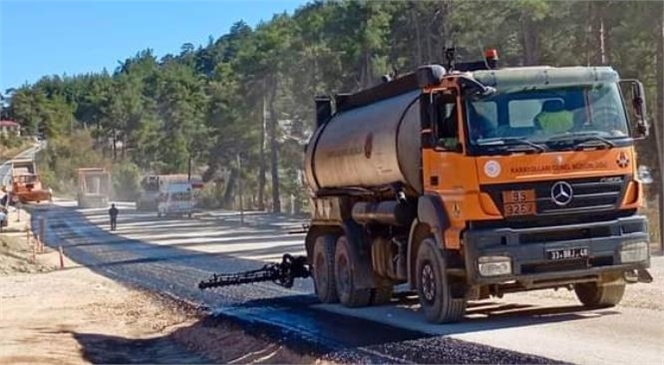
26, 185
467, 181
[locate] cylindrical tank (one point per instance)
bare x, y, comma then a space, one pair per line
369, 146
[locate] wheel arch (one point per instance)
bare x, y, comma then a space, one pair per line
418, 232
314, 232
431, 221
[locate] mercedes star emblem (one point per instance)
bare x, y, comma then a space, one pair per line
562, 193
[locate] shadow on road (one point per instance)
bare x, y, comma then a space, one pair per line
209, 340
105, 349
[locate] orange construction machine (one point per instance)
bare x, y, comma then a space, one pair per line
467, 181
26, 186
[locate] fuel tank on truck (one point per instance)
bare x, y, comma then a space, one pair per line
369, 146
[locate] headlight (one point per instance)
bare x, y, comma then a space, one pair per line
494, 265
634, 252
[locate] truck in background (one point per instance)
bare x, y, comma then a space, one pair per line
149, 196
94, 187
26, 184
470, 181
177, 195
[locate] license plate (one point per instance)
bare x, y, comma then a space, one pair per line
516, 209
567, 253
518, 196
519, 202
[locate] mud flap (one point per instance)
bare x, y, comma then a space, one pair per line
360, 256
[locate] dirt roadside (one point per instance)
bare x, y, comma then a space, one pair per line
72, 315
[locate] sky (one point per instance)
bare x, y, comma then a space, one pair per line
49, 37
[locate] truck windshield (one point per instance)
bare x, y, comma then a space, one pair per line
548, 118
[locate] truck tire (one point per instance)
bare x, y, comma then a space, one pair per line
381, 295
440, 300
594, 295
344, 273
323, 265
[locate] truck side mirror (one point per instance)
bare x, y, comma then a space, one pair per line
472, 87
639, 105
641, 128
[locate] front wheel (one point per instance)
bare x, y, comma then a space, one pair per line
442, 297
594, 295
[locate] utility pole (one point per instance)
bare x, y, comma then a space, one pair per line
239, 182
261, 162
189, 169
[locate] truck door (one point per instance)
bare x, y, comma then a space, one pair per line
448, 174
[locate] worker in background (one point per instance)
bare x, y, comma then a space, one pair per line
113, 213
554, 118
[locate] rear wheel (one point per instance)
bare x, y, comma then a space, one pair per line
443, 298
594, 295
323, 265
344, 274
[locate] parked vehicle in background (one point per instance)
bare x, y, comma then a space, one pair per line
94, 187
176, 195
26, 185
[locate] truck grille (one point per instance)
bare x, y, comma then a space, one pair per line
596, 194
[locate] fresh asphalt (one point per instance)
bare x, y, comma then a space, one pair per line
292, 316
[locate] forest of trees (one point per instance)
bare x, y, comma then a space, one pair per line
250, 91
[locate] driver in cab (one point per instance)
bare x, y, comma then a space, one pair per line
554, 118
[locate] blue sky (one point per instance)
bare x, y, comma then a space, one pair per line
48, 37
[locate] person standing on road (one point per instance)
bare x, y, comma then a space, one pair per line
113, 213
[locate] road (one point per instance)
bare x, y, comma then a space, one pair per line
5, 168
172, 255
